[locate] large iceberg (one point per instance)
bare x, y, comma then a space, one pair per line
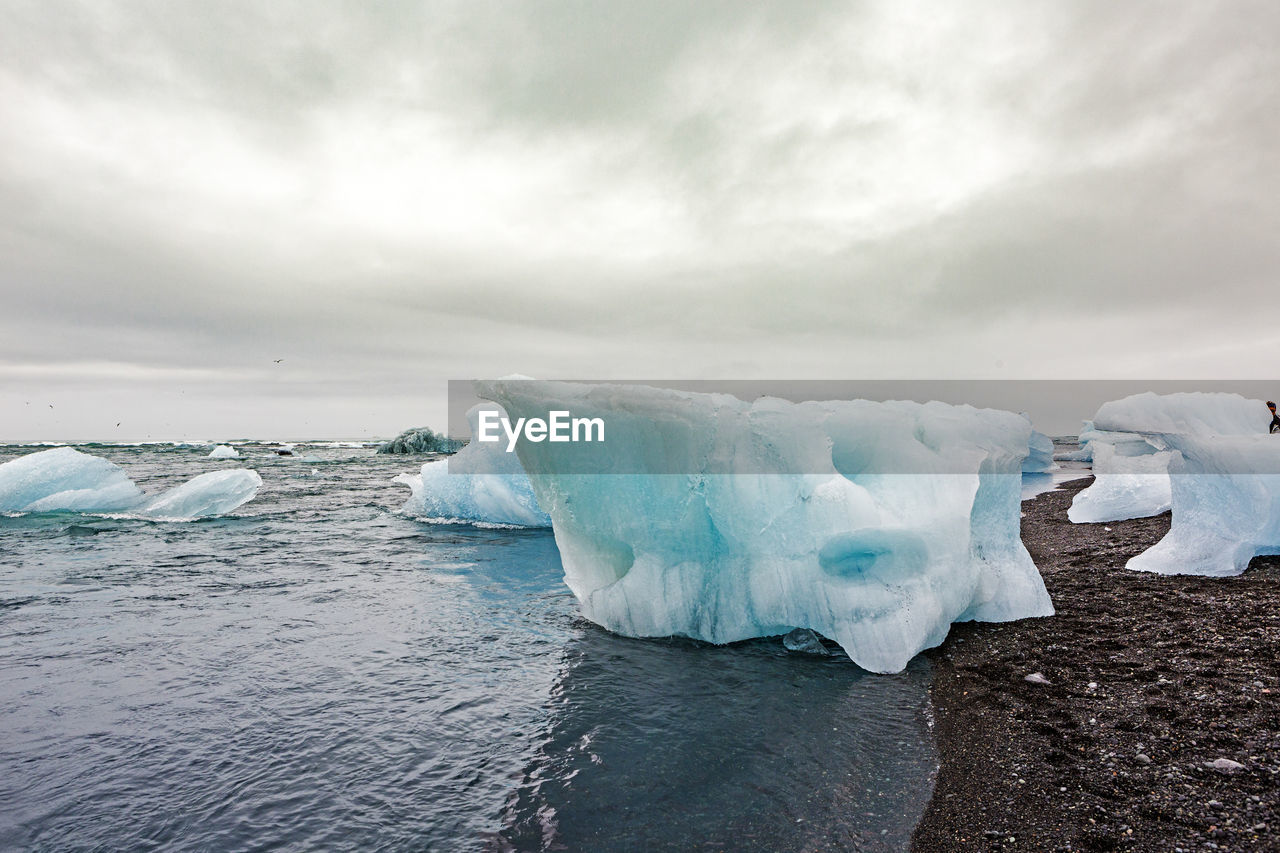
874, 524
1127, 441
224, 451
482, 483
1224, 483
64, 479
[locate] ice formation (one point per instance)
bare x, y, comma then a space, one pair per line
1225, 483
420, 440
1128, 441
224, 451
874, 524
64, 479
481, 483
1039, 455
1124, 486
214, 493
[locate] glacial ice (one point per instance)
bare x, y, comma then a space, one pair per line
214, 493
874, 524
481, 483
1039, 455
64, 479
224, 451
1127, 440
1225, 483
420, 440
1123, 486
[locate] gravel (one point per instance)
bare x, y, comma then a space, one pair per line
1158, 729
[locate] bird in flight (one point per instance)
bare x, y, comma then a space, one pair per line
278, 360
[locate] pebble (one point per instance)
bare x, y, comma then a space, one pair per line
1226, 765
1037, 678
1142, 758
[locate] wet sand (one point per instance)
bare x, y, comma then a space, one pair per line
1152, 678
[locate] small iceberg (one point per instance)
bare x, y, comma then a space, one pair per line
224, 451
421, 440
1131, 443
65, 480
1221, 472
214, 493
481, 484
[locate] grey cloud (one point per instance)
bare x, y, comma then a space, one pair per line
787, 156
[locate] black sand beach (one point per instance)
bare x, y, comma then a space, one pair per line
1151, 680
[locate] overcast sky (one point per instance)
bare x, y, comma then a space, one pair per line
390, 195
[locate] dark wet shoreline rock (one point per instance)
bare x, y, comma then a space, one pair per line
1152, 680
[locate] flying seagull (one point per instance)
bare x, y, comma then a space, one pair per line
278, 360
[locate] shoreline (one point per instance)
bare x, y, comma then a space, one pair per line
1152, 677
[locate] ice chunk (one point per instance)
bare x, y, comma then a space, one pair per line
1039, 455
224, 451
804, 641
420, 440
482, 483
1224, 514
1192, 413
1127, 440
1224, 483
1123, 486
64, 479
874, 524
214, 493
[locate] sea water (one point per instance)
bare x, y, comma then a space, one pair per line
316, 671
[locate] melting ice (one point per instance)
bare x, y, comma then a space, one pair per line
1225, 488
874, 524
64, 479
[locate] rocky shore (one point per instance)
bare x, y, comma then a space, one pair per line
1144, 716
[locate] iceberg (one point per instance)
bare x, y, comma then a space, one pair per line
420, 440
1128, 443
1223, 473
65, 480
876, 525
214, 493
1123, 486
480, 484
1039, 454
224, 451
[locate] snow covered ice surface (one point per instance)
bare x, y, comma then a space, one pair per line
224, 451
64, 479
874, 524
1225, 483
480, 484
